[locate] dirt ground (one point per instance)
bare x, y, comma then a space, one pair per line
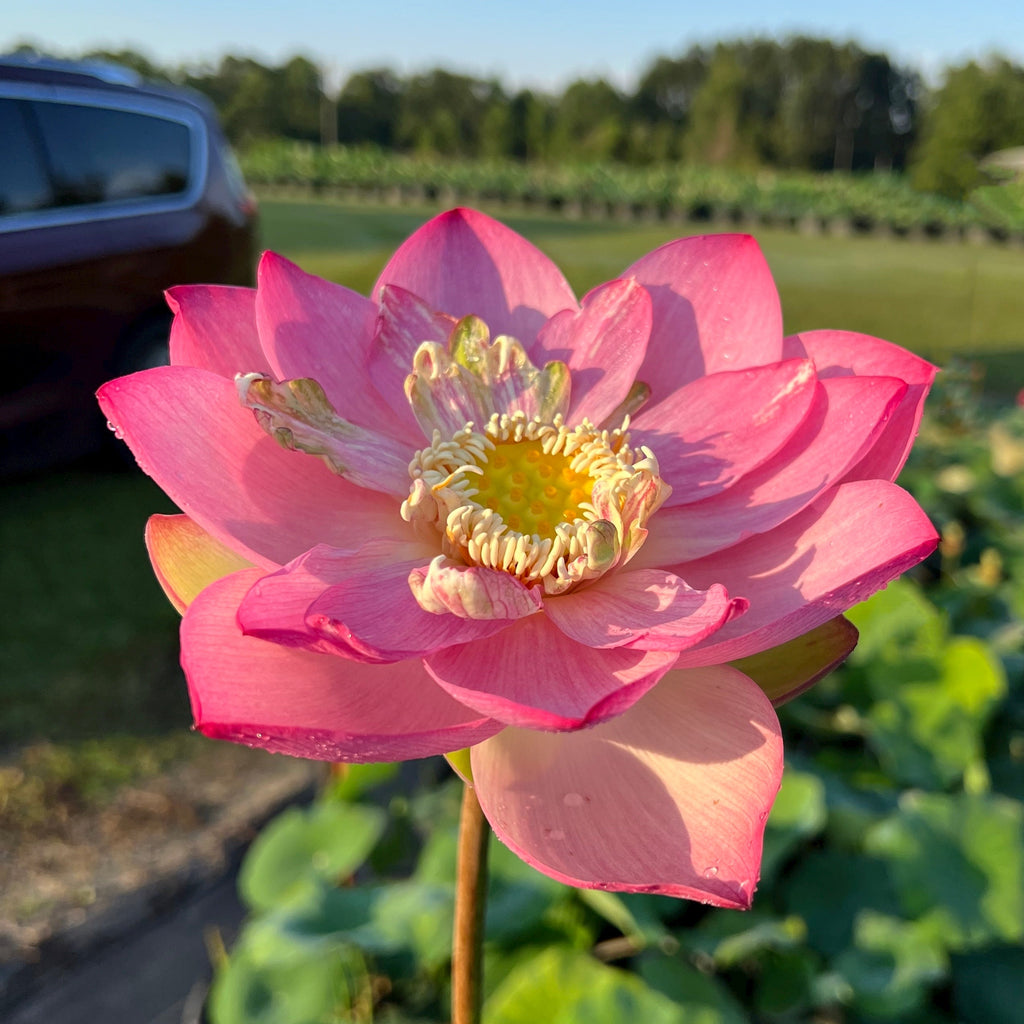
68, 888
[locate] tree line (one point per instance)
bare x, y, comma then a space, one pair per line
801, 103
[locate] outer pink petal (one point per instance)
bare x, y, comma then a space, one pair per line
373, 616
848, 417
275, 607
719, 428
314, 328
463, 262
840, 353
311, 705
671, 797
785, 671
404, 322
715, 308
534, 676
646, 610
215, 328
186, 559
847, 545
603, 345
189, 432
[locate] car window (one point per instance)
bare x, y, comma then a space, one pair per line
99, 154
24, 184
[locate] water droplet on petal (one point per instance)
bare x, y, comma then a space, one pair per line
572, 800
710, 872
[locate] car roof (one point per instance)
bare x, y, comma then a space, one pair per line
95, 75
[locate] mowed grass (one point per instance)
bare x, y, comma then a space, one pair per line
939, 299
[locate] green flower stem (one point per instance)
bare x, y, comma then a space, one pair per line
470, 908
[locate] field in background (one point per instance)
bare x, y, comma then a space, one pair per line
89, 626
941, 300
90, 648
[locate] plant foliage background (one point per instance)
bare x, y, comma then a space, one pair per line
893, 877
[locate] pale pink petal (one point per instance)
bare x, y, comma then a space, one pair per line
374, 616
848, 544
275, 607
848, 416
603, 345
671, 797
476, 376
472, 592
188, 431
311, 705
785, 671
648, 610
463, 262
841, 353
315, 328
533, 675
715, 308
719, 428
186, 559
214, 328
299, 417
404, 322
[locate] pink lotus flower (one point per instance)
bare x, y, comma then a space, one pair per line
461, 540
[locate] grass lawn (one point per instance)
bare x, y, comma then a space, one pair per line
88, 645
937, 299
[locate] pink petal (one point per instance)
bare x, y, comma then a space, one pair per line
472, 592
848, 544
463, 262
647, 610
314, 328
603, 345
275, 607
848, 416
374, 616
214, 328
534, 676
841, 353
186, 559
671, 797
404, 322
719, 428
311, 705
715, 308
785, 671
189, 432
299, 417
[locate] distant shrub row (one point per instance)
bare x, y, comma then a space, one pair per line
834, 201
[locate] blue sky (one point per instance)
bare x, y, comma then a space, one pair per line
531, 42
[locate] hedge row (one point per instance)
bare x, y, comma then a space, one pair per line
815, 202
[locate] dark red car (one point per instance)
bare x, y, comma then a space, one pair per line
111, 190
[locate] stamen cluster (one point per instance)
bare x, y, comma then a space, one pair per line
608, 492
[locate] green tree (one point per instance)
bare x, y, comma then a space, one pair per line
589, 122
717, 131
441, 112
368, 108
978, 110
